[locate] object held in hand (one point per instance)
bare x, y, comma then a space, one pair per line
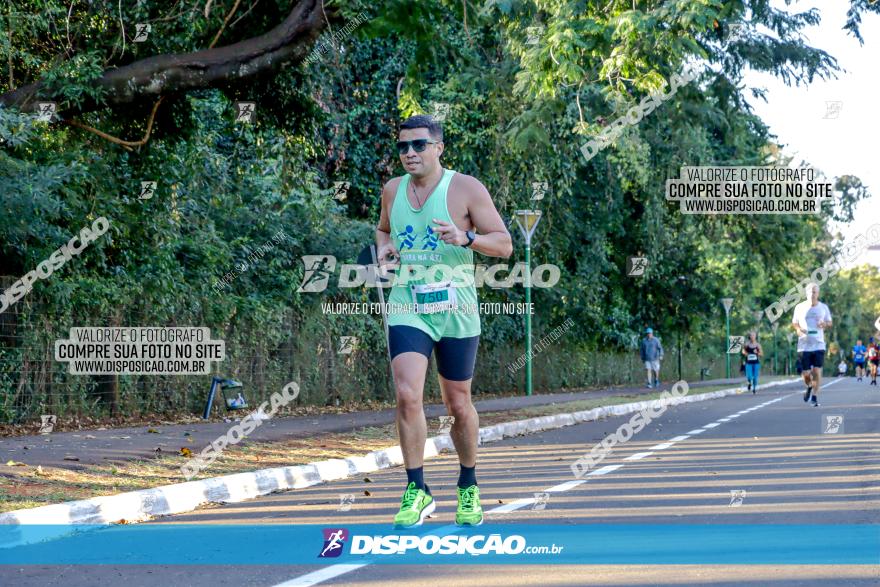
390, 260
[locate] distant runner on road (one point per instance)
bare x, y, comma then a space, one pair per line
858, 354
752, 352
873, 359
811, 318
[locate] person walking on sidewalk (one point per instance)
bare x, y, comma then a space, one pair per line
433, 217
811, 318
651, 353
752, 352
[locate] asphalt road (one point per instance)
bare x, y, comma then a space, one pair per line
681, 469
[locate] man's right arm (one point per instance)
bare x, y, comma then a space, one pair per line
796, 325
383, 229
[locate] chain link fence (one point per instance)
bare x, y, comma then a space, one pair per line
336, 360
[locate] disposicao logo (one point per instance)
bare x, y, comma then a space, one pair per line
334, 539
319, 268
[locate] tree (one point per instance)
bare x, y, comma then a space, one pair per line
157, 75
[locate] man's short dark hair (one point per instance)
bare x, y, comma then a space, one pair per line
424, 121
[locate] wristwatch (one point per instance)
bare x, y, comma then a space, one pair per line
470, 236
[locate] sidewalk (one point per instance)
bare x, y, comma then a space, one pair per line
126, 444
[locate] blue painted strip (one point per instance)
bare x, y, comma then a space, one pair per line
272, 544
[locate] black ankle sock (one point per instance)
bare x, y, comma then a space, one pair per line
416, 476
467, 476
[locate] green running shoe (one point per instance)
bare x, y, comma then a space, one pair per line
415, 505
469, 512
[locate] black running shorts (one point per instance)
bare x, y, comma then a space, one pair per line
810, 359
456, 357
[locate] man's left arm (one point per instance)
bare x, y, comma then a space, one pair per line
492, 238
827, 323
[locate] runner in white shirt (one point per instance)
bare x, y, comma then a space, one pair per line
811, 318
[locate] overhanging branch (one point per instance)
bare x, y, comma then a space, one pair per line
161, 74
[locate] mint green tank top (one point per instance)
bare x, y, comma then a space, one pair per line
411, 233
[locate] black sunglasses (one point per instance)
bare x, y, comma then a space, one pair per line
418, 145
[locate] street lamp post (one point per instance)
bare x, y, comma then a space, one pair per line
728, 302
757, 314
527, 220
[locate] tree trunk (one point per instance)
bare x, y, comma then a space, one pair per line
209, 68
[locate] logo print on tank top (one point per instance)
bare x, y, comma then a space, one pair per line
407, 238
430, 238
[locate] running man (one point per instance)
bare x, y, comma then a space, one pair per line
651, 353
811, 318
858, 354
455, 214
873, 359
753, 352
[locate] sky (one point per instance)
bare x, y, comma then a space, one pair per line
833, 124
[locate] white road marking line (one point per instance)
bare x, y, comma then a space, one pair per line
514, 505
724, 419
662, 446
638, 456
679, 438
321, 575
604, 470
712, 425
697, 431
567, 485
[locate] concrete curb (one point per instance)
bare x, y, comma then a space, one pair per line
138, 506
